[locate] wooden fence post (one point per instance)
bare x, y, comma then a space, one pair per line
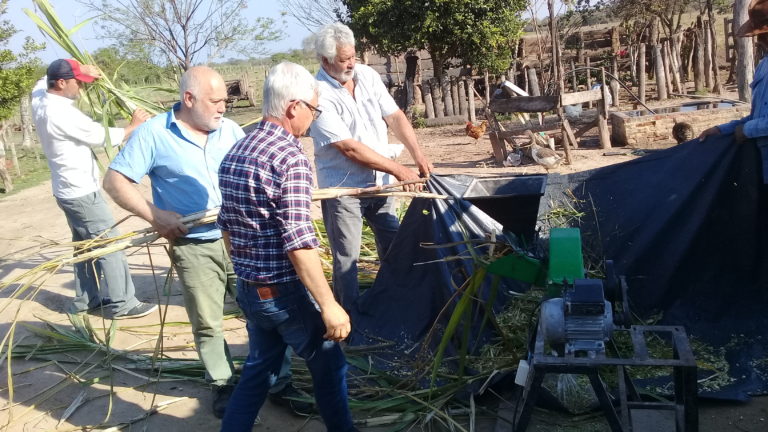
437, 97
429, 107
445, 87
462, 95
707, 54
471, 99
602, 115
661, 85
455, 97
641, 76
745, 64
589, 79
533, 82
574, 81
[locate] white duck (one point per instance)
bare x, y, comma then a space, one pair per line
546, 157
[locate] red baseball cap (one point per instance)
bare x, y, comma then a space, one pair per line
67, 69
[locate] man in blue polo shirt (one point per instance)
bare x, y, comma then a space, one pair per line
181, 151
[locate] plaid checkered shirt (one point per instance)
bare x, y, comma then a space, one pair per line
266, 188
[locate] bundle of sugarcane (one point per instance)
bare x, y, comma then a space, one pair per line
105, 99
94, 248
383, 190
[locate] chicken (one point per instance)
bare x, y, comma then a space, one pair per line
682, 132
476, 132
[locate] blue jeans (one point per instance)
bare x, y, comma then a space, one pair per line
105, 280
289, 318
343, 219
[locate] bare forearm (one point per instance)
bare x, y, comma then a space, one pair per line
124, 193
364, 155
307, 264
403, 130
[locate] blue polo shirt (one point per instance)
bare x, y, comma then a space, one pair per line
184, 175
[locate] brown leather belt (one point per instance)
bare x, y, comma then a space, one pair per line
265, 292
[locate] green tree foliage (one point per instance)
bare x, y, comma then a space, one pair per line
129, 68
476, 32
185, 32
18, 71
296, 56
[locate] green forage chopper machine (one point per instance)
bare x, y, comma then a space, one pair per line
580, 316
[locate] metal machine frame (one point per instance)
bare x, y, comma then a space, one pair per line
683, 365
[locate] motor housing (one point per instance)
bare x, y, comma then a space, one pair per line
579, 322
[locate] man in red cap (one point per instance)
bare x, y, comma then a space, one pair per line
67, 137
754, 125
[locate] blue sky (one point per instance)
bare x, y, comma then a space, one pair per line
71, 12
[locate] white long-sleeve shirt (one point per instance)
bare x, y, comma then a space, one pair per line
67, 135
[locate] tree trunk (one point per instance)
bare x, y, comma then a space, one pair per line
557, 60
411, 64
26, 123
437, 65
708, 53
745, 63
698, 62
4, 137
589, 79
4, 175
716, 88
676, 46
641, 75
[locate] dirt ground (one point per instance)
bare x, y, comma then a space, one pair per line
43, 390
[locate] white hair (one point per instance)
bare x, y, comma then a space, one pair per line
327, 40
286, 82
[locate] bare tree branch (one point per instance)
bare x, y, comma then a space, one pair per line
315, 14
185, 32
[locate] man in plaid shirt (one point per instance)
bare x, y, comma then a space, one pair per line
266, 186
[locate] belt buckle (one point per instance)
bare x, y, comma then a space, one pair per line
266, 292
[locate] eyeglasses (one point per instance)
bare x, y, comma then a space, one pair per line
315, 110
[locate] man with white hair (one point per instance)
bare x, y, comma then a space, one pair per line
266, 187
181, 151
352, 149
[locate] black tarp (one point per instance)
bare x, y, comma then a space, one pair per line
414, 283
687, 226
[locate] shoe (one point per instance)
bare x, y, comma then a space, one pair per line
297, 400
221, 399
140, 310
99, 307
